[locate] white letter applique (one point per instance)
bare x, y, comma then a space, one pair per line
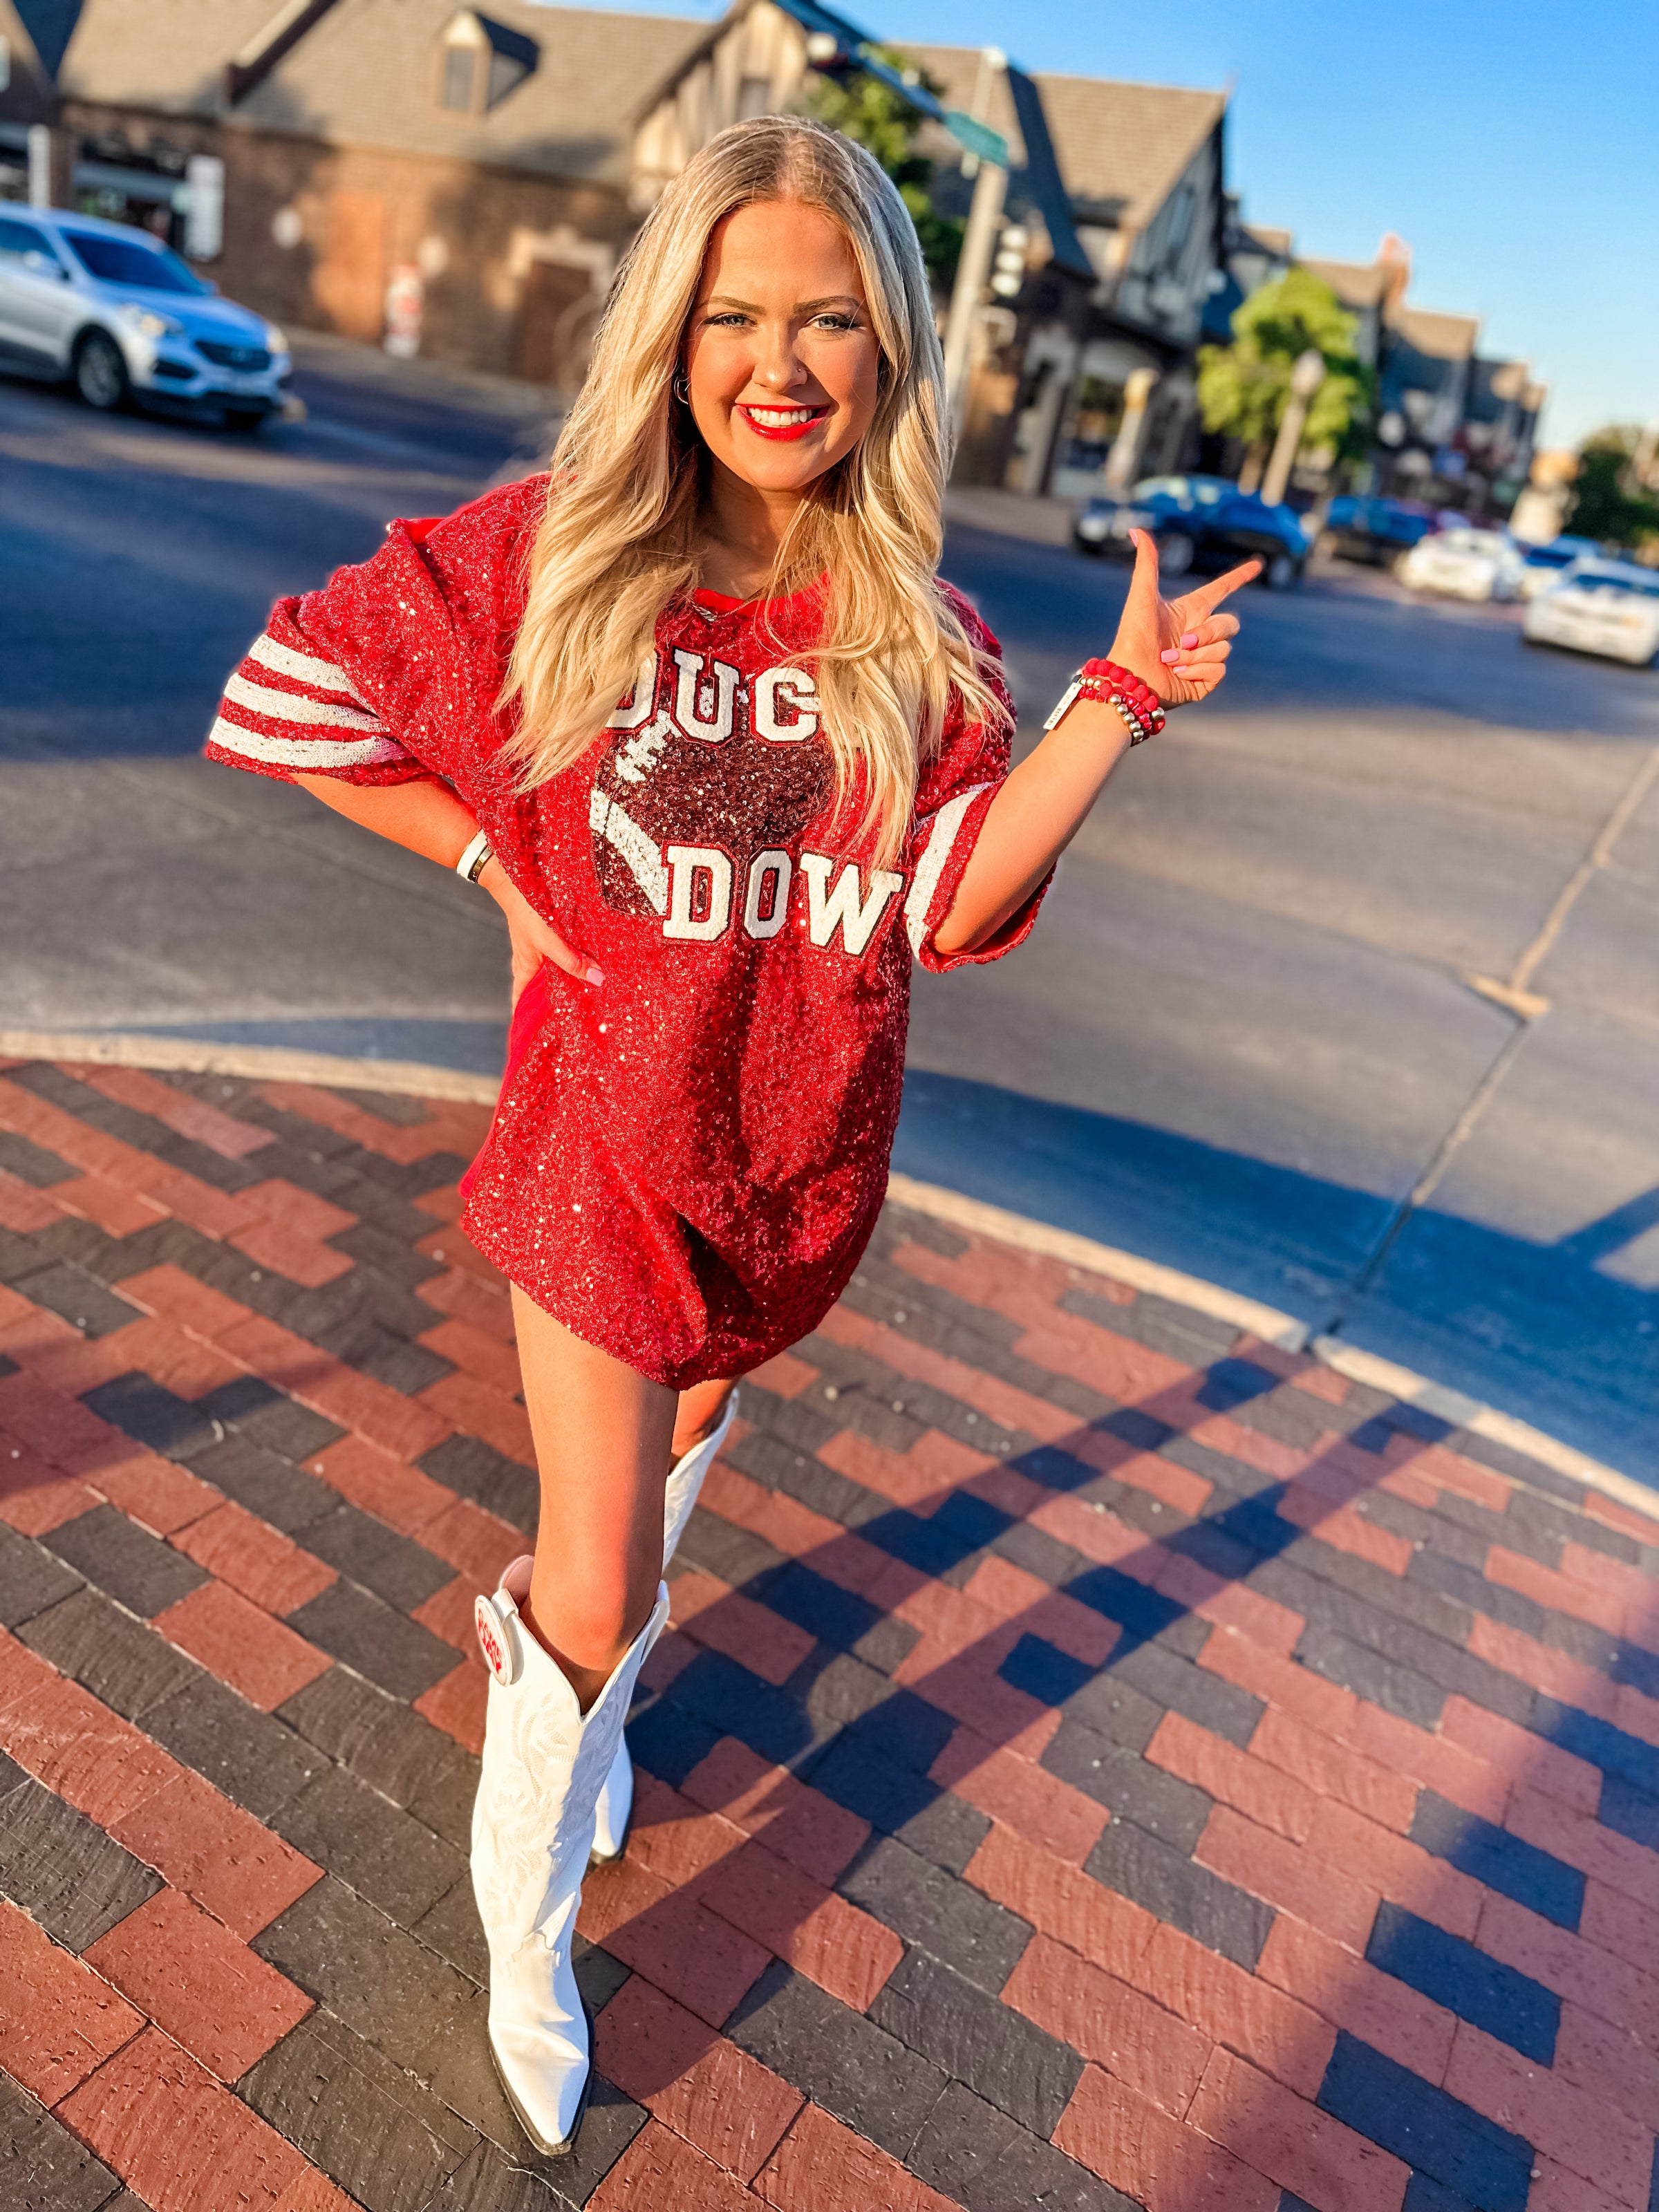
699, 876
688, 695
774, 868
843, 909
636, 706
792, 687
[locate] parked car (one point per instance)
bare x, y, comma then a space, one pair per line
1199, 522
121, 317
1605, 607
1467, 564
1374, 530
1542, 565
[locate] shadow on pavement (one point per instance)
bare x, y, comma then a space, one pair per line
961, 1701
1545, 1332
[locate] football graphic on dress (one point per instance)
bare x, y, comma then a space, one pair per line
704, 758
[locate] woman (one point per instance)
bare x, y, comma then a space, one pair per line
695, 711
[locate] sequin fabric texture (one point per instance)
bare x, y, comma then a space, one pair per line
685, 1161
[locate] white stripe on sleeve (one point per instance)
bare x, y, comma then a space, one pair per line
303, 667
931, 866
306, 752
295, 706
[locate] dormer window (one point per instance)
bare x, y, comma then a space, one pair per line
480, 62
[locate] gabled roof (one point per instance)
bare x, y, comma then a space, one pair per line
1122, 148
1443, 338
363, 74
167, 56
1357, 284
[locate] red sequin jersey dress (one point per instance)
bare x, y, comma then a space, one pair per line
686, 1160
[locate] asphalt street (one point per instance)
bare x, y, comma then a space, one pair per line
1242, 1042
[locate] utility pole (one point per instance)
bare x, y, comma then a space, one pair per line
978, 245
1123, 462
40, 165
1307, 374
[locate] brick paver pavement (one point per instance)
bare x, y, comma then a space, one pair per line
1098, 1760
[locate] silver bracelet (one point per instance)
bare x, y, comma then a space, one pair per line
1074, 690
475, 858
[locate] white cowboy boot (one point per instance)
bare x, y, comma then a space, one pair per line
533, 1827
616, 1804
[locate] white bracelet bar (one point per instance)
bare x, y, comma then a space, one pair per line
470, 866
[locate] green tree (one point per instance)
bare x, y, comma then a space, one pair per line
1242, 387
864, 108
1606, 504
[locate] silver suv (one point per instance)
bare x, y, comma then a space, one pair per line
121, 316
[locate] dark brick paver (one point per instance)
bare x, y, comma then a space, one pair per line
1098, 1761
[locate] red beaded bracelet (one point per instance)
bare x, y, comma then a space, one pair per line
1108, 685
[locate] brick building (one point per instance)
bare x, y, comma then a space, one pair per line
1451, 425
480, 161
463, 180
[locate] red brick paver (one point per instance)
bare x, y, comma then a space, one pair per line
1028, 1810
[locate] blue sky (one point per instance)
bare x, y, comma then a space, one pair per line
1515, 149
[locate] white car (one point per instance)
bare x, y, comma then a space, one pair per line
1609, 607
1544, 565
1467, 564
121, 316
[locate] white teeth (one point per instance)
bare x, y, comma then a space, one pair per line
779, 418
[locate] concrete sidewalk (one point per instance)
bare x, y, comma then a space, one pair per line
1099, 1759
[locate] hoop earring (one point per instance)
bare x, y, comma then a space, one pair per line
681, 389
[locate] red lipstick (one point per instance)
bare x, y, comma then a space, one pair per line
783, 430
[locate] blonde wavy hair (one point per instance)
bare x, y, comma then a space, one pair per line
618, 540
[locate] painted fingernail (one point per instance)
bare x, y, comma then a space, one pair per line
1191, 638
595, 975
1172, 655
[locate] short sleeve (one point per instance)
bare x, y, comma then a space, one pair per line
389, 672
959, 787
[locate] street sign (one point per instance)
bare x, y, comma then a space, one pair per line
978, 138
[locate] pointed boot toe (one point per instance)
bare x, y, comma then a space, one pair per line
538, 2039
545, 1764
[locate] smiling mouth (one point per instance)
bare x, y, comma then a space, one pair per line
782, 421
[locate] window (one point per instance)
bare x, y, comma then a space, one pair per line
1180, 224
460, 67
145, 267
754, 98
18, 239
480, 62
505, 70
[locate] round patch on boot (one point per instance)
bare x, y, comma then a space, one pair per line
496, 1641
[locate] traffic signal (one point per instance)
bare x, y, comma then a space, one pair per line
1008, 269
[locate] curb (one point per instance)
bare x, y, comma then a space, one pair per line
265, 1063
411, 1078
1273, 1326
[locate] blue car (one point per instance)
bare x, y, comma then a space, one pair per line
1374, 530
1198, 523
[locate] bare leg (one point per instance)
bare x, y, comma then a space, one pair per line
602, 1435
698, 1413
